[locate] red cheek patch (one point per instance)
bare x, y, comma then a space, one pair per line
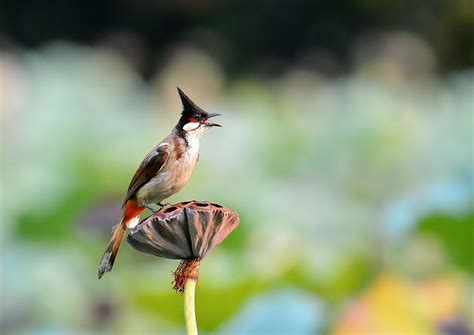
191, 119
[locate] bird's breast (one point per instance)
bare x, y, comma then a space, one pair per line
174, 175
182, 169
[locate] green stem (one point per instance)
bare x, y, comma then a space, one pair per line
189, 312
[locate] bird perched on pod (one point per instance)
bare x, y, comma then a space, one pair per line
163, 172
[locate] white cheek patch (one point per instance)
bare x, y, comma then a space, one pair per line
191, 126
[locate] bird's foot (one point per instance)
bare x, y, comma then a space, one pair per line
151, 209
163, 204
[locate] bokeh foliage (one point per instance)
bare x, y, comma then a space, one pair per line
347, 151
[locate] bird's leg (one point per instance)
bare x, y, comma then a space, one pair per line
151, 209
162, 204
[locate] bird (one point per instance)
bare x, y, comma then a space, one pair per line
164, 171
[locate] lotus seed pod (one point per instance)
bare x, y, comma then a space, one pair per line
186, 230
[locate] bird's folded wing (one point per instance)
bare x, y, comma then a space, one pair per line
151, 165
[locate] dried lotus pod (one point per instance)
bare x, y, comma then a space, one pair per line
186, 230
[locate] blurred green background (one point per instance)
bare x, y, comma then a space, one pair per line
347, 150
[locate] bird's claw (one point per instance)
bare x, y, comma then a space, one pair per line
151, 209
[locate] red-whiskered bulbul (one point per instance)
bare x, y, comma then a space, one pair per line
164, 171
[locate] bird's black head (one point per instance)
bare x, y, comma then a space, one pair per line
193, 116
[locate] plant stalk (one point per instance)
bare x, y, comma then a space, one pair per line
189, 310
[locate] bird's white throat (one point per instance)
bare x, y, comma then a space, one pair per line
192, 140
193, 131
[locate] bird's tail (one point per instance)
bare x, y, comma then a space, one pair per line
129, 219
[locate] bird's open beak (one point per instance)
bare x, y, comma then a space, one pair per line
212, 124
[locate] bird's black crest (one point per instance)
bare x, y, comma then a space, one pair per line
190, 110
189, 107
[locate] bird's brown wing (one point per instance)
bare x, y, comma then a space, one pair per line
151, 165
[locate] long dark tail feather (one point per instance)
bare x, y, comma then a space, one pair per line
131, 212
108, 259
